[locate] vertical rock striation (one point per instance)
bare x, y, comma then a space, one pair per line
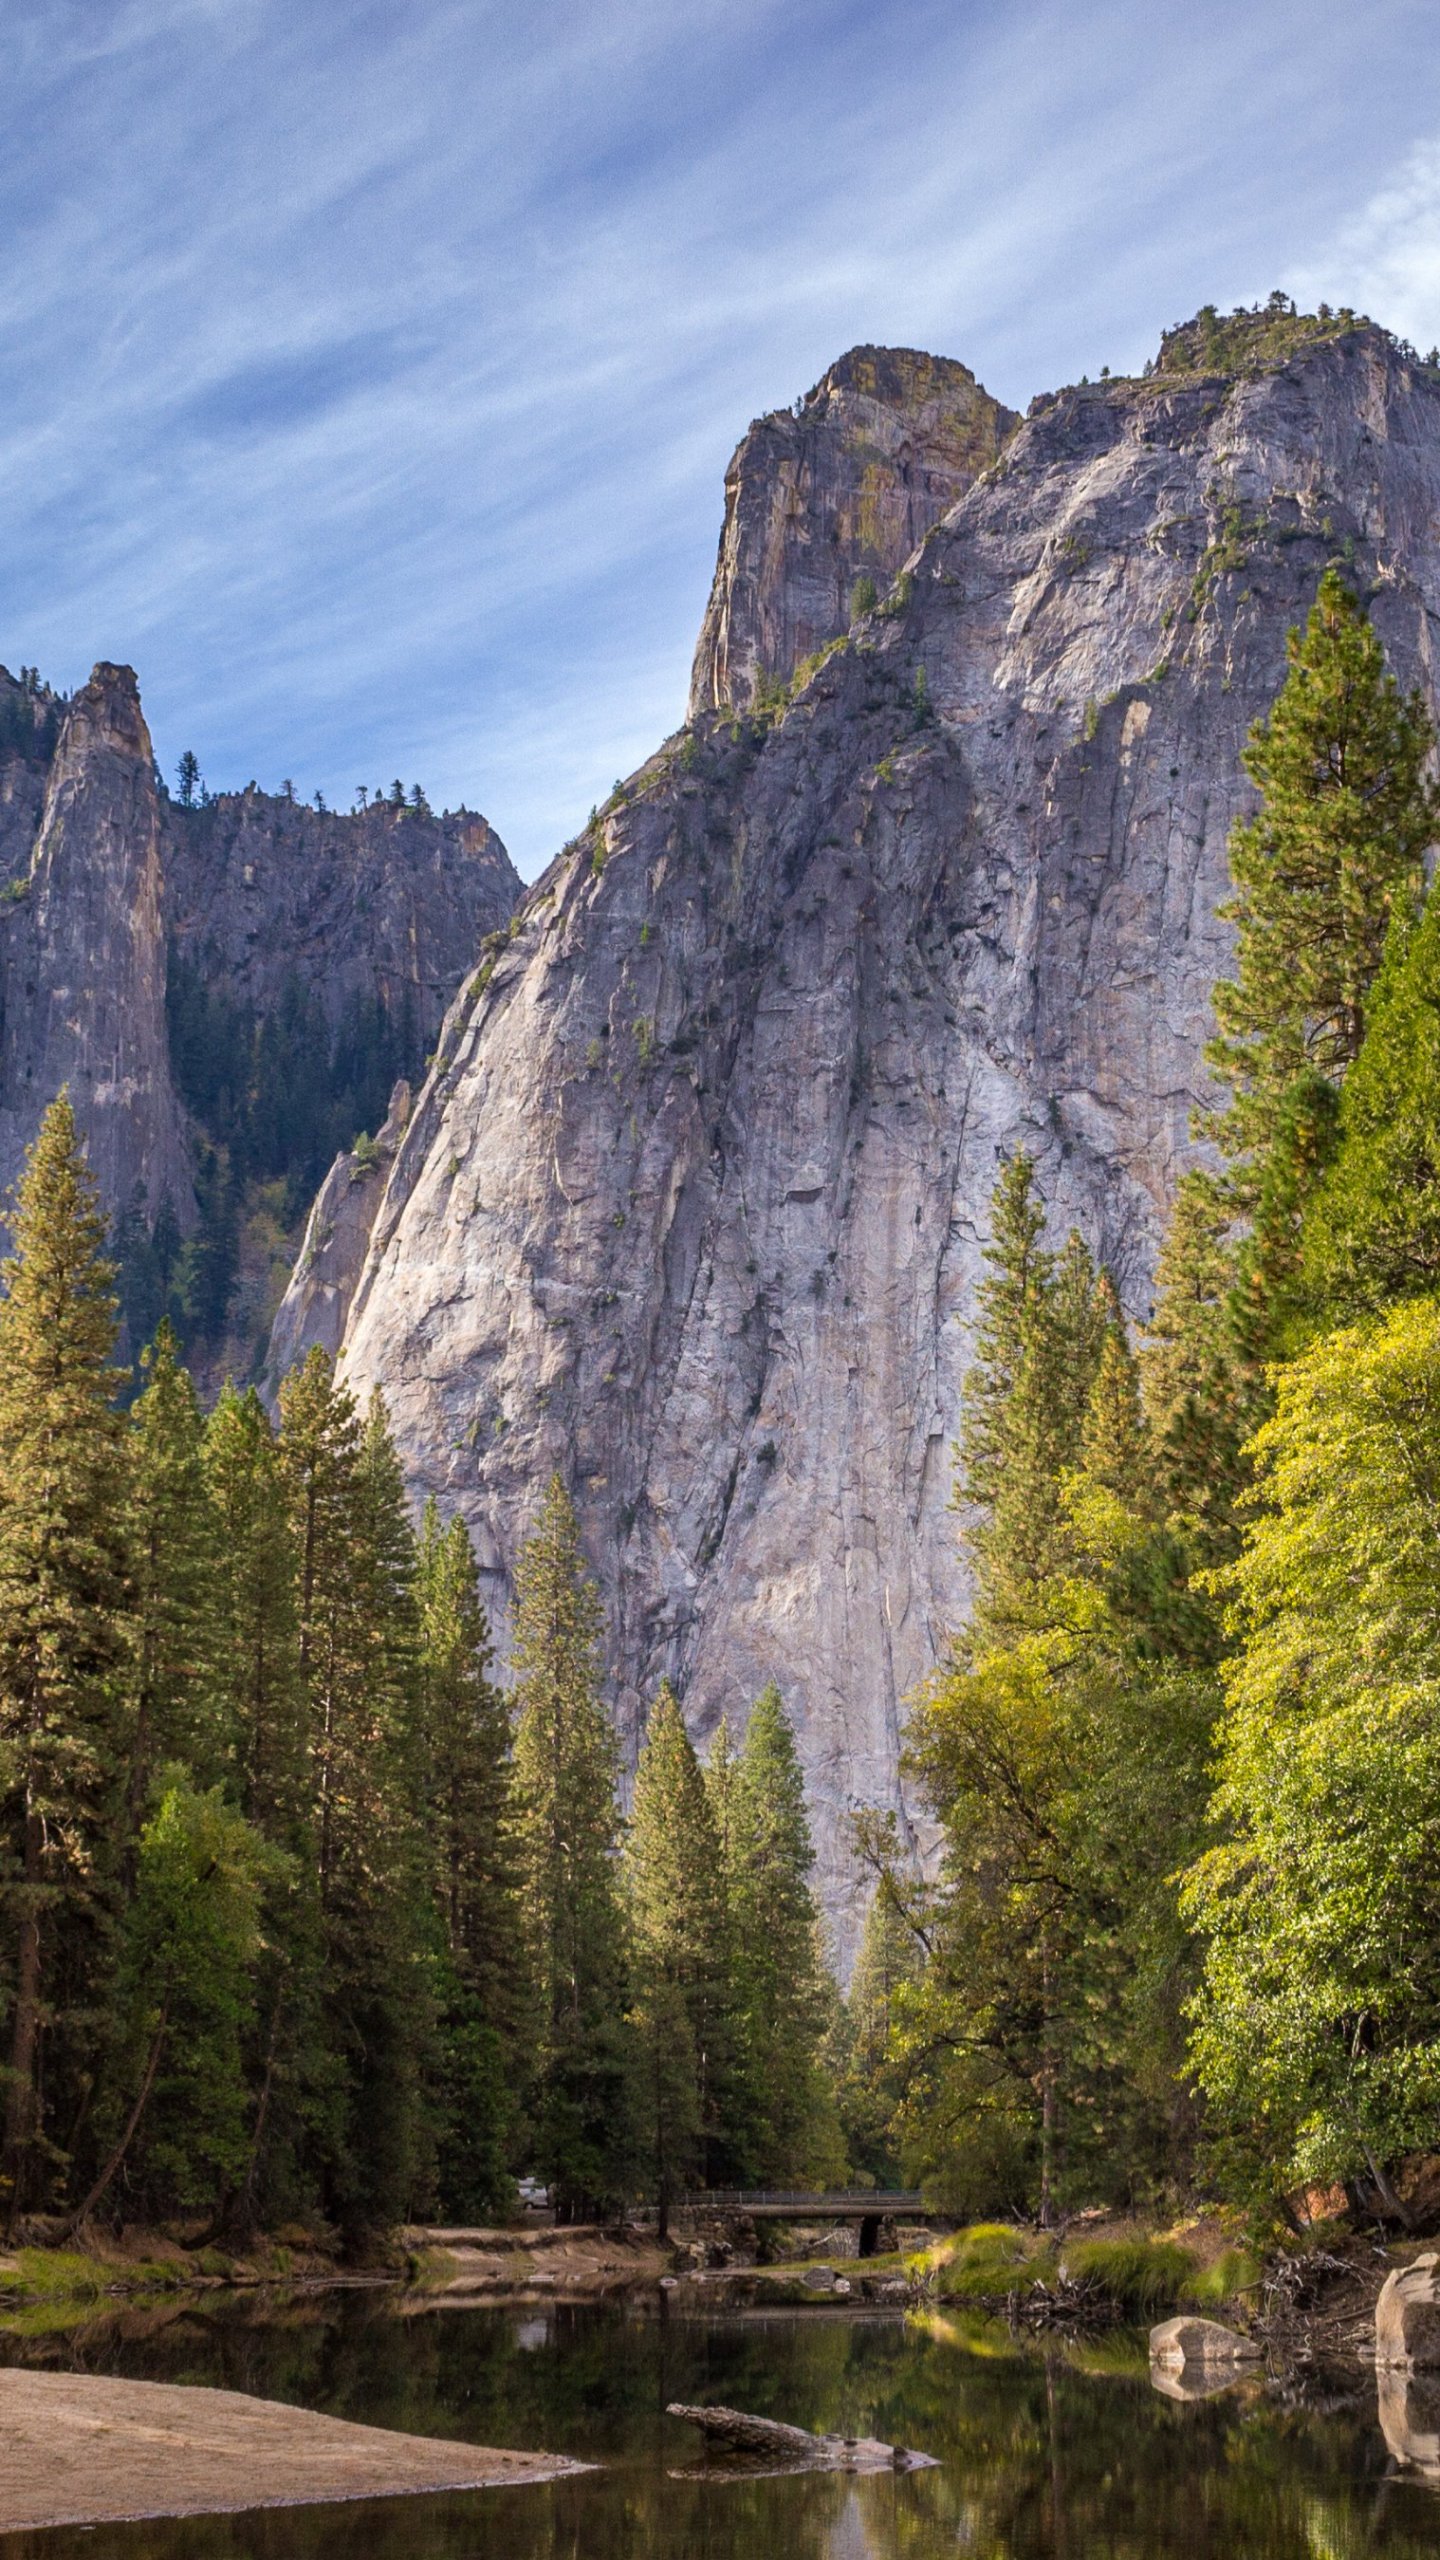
837, 490
84, 957
693, 1203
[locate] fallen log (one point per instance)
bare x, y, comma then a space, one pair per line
735, 2431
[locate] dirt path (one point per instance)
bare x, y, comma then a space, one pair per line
80, 2449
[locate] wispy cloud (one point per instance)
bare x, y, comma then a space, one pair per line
371, 372
1386, 260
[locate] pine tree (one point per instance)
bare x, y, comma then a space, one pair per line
1346, 818
566, 1771
888, 1965
1042, 1330
468, 1822
62, 1592
676, 1904
1018, 1271
783, 1993
172, 1546
1372, 1229
354, 1555
256, 1667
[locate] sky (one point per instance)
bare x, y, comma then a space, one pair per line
371, 366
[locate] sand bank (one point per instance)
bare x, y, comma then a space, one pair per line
84, 2449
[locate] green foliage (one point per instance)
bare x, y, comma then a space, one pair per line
1372, 1229
176, 2097
566, 1770
1345, 819
782, 1988
1245, 339
62, 1585
680, 1962
1318, 2034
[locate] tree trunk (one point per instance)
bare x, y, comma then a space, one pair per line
20, 2104
132, 2126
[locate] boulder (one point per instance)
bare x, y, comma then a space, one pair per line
1177, 2344
1407, 2316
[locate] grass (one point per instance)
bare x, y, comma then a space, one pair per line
72, 2275
986, 2262
1140, 2275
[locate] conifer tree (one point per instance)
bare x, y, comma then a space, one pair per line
256, 1666
357, 1665
1372, 1229
1345, 820
676, 1904
173, 1556
783, 1992
468, 1823
62, 1594
1042, 1330
566, 1769
887, 1970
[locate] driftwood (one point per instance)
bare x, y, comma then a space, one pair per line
734, 2431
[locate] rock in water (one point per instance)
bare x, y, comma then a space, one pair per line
693, 1204
1407, 2316
1176, 2345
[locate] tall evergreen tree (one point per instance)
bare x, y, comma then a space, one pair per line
1346, 818
784, 1997
357, 1665
172, 1547
62, 1597
676, 1902
566, 1770
1372, 1229
469, 1827
254, 1621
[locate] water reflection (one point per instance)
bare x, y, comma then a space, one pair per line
1410, 2419
1043, 2458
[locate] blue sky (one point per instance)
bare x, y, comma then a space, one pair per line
370, 371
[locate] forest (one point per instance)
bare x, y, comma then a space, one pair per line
305, 1917
1186, 1936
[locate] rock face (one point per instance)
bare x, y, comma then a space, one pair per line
262, 892
1407, 2316
839, 490
106, 881
692, 1206
83, 952
316, 1306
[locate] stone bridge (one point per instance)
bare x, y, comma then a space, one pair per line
869, 2206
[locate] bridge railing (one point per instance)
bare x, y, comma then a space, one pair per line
881, 2200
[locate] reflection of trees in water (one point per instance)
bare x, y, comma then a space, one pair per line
1038, 2459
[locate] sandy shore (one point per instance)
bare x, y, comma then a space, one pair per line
81, 2449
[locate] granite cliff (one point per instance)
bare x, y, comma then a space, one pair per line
825, 502
179, 967
692, 1204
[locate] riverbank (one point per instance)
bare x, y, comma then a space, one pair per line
85, 2449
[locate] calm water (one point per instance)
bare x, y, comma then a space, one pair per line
1072, 2458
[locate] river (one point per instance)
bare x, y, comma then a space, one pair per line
1071, 2455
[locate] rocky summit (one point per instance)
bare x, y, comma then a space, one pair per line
186, 970
693, 1203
